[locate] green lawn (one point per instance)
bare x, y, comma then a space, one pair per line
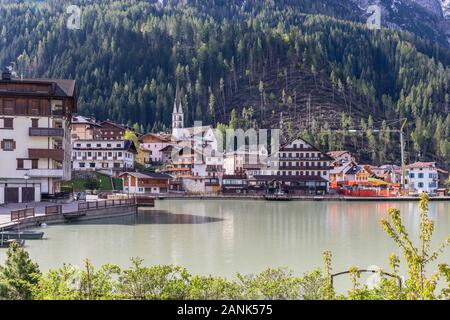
105, 183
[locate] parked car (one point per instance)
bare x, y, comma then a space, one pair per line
80, 196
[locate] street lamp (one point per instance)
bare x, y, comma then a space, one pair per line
26, 177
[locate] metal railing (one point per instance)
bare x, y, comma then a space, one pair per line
53, 210
91, 205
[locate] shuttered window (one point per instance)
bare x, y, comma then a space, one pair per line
8, 145
8, 123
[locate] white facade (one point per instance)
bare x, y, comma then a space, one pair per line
103, 155
154, 149
45, 174
423, 177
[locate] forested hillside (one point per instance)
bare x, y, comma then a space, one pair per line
243, 63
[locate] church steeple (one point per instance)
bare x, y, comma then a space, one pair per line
177, 114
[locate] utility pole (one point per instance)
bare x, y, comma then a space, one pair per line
402, 147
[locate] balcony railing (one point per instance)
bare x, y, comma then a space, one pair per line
46, 173
55, 154
46, 132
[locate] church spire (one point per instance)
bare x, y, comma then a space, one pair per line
177, 114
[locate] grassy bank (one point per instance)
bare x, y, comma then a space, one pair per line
104, 182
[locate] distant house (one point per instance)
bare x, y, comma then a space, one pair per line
152, 144
83, 128
299, 168
423, 177
234, 184
136, 182
113, 131
341, 156
108, 156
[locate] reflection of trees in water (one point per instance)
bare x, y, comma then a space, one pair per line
155, 217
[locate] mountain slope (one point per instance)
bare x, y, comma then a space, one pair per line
424, 18
258, 58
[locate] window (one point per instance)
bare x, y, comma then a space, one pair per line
118, 145
98, 145
108, 145
19, 163
8, 145
92, 165
420, 184
34, 123
82, 164
34, 163
411, 175
430, 175
420, 175
432, 184
88, 145
8, 123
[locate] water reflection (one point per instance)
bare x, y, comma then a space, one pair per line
224, 237
153, 217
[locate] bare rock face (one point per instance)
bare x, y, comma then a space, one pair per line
429, 19
446, 8
434, 6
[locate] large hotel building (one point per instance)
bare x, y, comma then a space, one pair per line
35, 150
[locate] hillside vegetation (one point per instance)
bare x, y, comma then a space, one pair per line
258, 58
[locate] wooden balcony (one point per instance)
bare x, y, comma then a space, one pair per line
55, 154
46, 132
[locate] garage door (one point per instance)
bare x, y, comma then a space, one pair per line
27, 194
11, 195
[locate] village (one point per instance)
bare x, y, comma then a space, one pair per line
45, 146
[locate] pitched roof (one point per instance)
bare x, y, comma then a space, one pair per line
421, 165
84, 120
62, 87
149, 175
336, 154
157, 136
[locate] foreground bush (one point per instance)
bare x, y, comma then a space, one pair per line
20, 278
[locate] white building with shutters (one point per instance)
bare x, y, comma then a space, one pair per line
34, 137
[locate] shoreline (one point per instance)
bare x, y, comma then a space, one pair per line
294, 198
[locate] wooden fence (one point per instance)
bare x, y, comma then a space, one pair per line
145, 201
105, 204
21, 214
53, 210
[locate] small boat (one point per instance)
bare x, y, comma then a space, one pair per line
26, 234
6, 243
278, 196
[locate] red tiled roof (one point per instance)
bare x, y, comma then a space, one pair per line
422, 165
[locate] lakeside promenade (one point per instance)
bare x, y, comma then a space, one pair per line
39, 209
291, 198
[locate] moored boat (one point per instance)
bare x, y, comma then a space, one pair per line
26, 234
4, 243
278, 196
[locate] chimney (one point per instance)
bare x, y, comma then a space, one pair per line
6, 74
